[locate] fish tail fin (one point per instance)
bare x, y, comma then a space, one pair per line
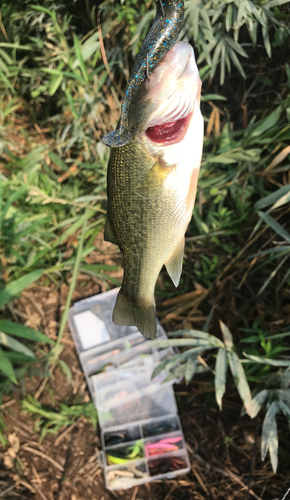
117, 138
127, 313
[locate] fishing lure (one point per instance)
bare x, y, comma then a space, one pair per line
167, 25
124, 454
165, 465
162, 446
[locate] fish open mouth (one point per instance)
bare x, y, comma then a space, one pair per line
170, 132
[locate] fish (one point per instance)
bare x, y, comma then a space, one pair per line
165, 30
151, 184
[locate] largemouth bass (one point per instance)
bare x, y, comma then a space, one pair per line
167, 25
152, 184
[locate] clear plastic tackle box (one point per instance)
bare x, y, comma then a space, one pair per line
141, 434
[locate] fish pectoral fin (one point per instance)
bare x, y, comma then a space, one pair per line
155, 178
109, 233
174, 264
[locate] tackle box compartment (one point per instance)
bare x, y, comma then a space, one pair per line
118, 363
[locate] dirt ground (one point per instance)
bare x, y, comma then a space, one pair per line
224, 448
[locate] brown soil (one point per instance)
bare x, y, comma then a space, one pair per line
223, 447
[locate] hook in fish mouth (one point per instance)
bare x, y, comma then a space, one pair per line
170, 132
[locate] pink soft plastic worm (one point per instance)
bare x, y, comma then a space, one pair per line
162, 446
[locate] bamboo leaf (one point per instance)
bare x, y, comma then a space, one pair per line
169, 363
198, 334
270, 436
227, 336
284, 408
180, 343
267, 361
240, 380
13, 344
220, 376
257, 403
190, 369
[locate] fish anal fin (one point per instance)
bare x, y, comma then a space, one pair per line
128, 313
174, 264
109, 233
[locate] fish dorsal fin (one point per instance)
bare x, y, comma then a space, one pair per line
109, 233
174, 264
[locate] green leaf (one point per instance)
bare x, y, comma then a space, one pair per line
17, 286
273, 198
213, 97
80, 58
275, 225
54, 84
73, 280
198, 334
6, 367
168, 363
58, 161
23, 331
257, 403
65, 369
190, 369
270, 436
14, 197
227, 336
284, 408
274, 3
180, 343
14, 345
273, 273
220, 376
267, 361
240, 380
268, 122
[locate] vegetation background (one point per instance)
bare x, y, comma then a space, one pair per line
63, 69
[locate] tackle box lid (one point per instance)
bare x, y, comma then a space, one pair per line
91, 324
121, 393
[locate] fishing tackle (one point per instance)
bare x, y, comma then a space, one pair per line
124, 454
162, 446
114, 438
165, 30
159, 428
124, 475
165, 465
